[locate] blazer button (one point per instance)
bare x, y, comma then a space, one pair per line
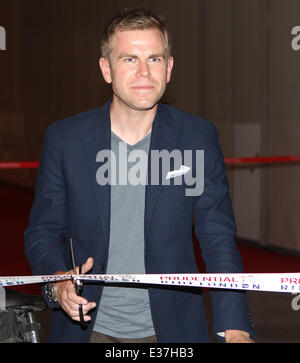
101, 267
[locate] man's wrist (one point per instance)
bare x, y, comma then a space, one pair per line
50, 288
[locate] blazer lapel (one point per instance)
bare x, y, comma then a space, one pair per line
164, 136
99, 139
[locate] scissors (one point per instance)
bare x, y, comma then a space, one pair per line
78, 286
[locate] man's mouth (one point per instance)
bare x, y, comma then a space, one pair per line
143, 87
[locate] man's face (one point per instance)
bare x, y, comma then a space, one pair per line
138, 68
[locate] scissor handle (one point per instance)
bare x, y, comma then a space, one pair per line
79, 288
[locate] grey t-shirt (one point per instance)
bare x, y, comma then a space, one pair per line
124, 312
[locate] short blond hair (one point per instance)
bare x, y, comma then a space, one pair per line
134, 19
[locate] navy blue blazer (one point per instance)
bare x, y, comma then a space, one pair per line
70, 203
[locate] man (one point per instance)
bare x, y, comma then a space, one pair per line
141, 228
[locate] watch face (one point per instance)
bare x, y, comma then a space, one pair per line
50, 292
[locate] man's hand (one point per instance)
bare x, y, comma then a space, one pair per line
237, 336
67, 297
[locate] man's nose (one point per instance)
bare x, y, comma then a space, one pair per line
143, 69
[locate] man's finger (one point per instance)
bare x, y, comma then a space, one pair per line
88, 265
76, 299
73, 310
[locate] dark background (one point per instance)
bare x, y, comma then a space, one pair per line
234, 65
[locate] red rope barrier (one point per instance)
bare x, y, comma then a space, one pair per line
263, 160
19, 165
228, 161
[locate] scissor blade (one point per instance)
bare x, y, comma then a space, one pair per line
72, 255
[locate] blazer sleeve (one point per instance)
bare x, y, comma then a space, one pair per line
215, 229
47, 223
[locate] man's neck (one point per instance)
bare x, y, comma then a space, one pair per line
131, 125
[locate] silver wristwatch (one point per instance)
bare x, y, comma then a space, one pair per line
50, 292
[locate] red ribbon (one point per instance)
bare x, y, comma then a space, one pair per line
228, 161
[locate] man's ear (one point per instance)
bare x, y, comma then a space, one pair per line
105, 69
170, 68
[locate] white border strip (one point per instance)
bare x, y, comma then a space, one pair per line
272, 282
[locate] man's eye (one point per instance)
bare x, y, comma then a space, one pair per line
129, 60
155, 59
